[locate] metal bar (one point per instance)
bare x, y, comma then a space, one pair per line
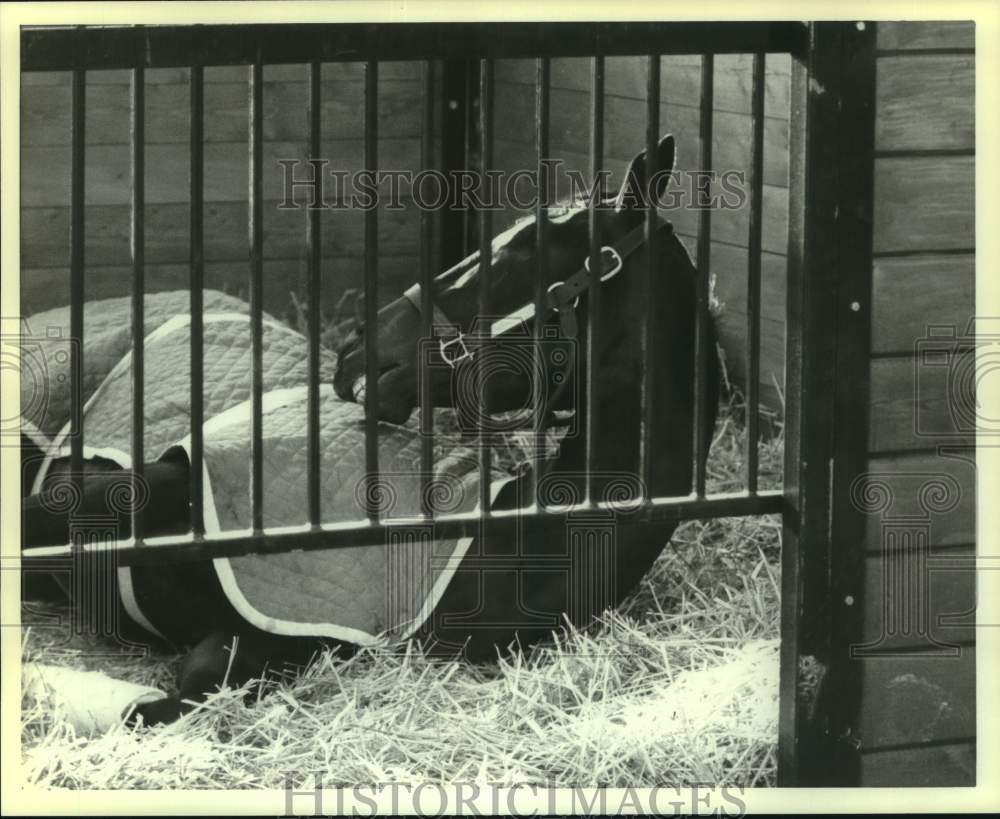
543, 71
502, 523
753, 271
62, 49
197, 283
704, 264
485, 281
455, 126
371, 298
426, 298
137, 138
789, 722
76, 272
315, 252
256, 239
594, 290
652, 144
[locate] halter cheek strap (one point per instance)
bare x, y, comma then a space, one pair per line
563, 297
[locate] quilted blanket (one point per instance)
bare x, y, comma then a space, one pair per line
357, 595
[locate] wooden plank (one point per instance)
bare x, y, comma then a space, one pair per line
917, 405
45, 112
43, 288
45, 233
911, 292
729, 265
921, 34
925, 102
394, 70
626, 77
924, 203
917, 699
225, 170
909, 483
729, 226
951, 765
626, 118
951, 589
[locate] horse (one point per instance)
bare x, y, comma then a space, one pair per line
484, 609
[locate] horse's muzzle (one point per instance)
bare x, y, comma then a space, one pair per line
396, 393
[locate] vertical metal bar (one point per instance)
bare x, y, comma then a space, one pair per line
594, 290
455, 124
753, 270
485, 279
426, 298
256, 240
137, 137
704, 259
542, 104
315, 253
652, 143
371, 296
197, 283
76, 291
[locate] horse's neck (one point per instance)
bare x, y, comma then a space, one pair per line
619, 401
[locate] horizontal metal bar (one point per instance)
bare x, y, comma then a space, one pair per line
65, 48
502, 523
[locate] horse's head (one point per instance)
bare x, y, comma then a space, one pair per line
513, 274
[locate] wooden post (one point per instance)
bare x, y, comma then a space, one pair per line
829, 281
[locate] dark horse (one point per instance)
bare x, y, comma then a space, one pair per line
486, 609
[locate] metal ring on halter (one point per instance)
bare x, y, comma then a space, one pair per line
463, 354
554, 285
615, 257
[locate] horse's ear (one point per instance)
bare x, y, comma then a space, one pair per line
633, 196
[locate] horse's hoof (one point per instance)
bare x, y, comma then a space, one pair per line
158, 712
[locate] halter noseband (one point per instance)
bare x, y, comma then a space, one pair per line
563, 298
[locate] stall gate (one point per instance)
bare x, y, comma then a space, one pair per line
828, 285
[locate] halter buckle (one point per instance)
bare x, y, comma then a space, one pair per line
576, 301
454, 360
566, 313
616, 261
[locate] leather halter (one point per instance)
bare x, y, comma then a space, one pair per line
563, 297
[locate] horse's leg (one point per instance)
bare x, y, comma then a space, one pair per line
165, 513
232, 657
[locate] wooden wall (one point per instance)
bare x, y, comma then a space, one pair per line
45, 135
919, 711
45, 167
625, 128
